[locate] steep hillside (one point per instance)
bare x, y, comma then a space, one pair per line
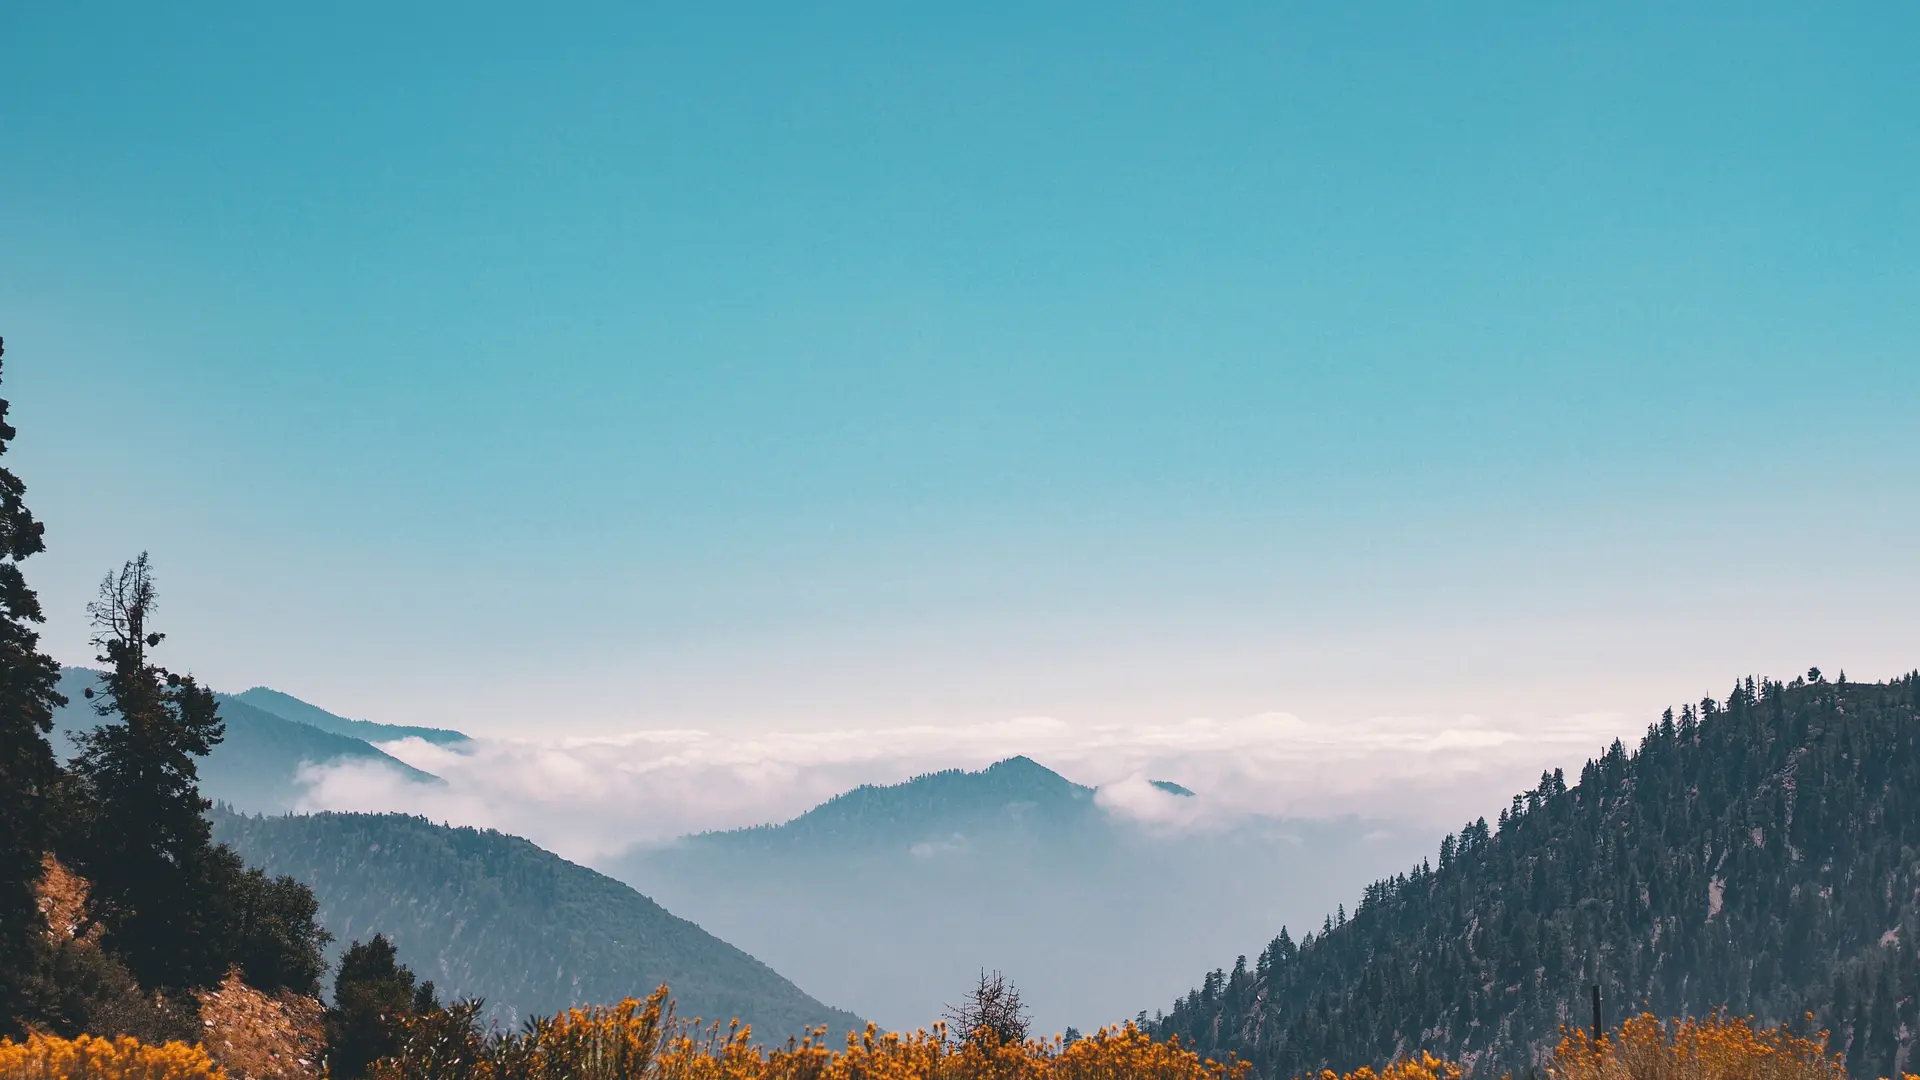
1761, 854
288, 707
493, 916
1012, 867
255, 765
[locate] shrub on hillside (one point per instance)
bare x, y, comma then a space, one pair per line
261, 1036
1717, 1047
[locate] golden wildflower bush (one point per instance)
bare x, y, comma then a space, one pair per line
642, 1040
44, 1057
1716, 1047
1424, 1067
257, 1036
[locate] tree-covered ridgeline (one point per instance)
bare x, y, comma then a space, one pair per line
1760, 854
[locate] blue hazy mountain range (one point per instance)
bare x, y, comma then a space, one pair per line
891, 899
480, 912
269, 737
1012, 867
289, 707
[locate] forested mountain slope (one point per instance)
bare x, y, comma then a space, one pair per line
1013, 867
256, 765
1761, 854
493, 916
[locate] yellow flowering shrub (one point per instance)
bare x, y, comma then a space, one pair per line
1716, 1047
44, 1057
1424, 1067
641, 1040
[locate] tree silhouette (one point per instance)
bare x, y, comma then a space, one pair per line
160, 887
373, 997
28, 769
991, 1012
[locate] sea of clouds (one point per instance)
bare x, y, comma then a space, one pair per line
590, 798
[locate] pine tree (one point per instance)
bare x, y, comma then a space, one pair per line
373, 996
160, 887
28, 770
275, 940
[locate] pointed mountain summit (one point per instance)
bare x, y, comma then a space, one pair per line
1012, 867
1017, 795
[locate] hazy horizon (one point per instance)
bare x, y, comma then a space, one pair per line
866, 370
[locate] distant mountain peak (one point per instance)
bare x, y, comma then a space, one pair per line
288, 707
1016, 792
1023, 769
1172, 788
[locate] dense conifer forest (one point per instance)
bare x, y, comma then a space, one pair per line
1760, 854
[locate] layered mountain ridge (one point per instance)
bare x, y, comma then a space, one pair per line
257, 765
289, 707
493, 916
481, 913
892, 898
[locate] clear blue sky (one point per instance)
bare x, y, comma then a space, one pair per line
592, 367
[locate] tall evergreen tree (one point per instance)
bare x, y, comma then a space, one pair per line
373, 996
28, 770
275, 939
160, 887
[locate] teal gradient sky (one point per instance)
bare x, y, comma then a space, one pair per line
594, 367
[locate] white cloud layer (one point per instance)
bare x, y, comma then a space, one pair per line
588, 798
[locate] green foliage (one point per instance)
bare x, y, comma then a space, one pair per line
374, 997
1761, 854
28, 772
276, 940
79, 988
495, 917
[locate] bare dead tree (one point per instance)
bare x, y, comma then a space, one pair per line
120, 613
991, 1012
